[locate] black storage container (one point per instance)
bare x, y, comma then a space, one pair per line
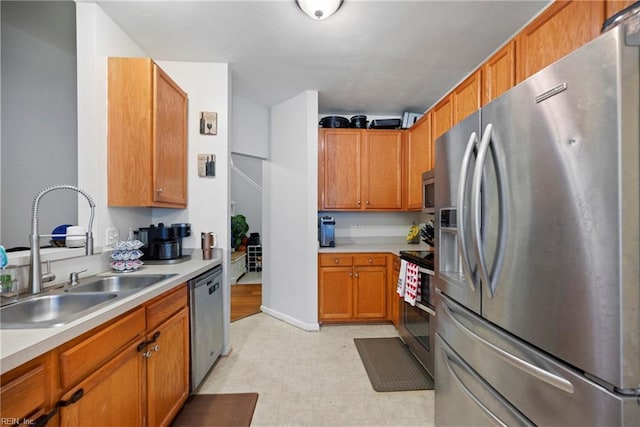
334, 122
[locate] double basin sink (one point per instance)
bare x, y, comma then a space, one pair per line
56, 309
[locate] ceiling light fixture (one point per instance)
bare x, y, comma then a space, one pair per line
319, 9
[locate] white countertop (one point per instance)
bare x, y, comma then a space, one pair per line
18, 346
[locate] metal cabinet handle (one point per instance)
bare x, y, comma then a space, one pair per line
337, 261
370, 261
147, 354
357, 275
155, 348
159, 190
358, 201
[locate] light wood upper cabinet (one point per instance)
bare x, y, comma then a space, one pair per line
466, 97
561, 28
615, 6
339, 169
147, 136
360, 169
499, 73
441, 117
382, 170
419, 159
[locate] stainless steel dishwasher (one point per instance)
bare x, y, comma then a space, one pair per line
207, 323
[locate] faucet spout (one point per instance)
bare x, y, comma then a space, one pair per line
35, 267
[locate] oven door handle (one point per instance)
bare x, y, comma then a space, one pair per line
426, 309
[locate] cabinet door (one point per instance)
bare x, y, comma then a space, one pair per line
340, 169
441, 118
382, 170
370, 292
112, 396
167, 369
466, 97
129, 146
419, 160
170, 140
335, 293
561, 28
499, 73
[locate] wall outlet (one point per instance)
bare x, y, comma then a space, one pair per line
111, 236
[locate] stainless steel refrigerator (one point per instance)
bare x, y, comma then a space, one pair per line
538, 262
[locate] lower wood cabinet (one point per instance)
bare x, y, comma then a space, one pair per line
112, 395
132, 371
167, 373
25, 395
352, 287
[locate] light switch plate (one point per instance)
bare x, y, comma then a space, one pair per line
111, 236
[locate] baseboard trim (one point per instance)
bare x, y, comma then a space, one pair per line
311, 327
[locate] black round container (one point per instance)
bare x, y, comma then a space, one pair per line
359, 122
334, 122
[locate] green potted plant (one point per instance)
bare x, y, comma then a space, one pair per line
239, 229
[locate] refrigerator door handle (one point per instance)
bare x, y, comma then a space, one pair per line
476, 204
490, 280
523, 365
463, 248
448, 359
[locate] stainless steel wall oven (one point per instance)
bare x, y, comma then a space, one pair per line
418, 322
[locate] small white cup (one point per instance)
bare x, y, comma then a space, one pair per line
76, 236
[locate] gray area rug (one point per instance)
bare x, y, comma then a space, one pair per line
391, 366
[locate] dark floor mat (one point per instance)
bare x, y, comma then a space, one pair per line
391, 366
200, 410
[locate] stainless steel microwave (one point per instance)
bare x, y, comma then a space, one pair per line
428, 191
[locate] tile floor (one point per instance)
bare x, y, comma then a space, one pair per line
311, 378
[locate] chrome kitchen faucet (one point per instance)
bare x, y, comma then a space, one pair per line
35, 269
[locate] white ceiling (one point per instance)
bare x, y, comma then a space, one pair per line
375, 57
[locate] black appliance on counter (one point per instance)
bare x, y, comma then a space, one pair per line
418, 323
163, 244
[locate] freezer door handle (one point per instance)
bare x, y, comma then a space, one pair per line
523, 365
462, 192
448, 359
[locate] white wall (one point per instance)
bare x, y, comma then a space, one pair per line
39, 136
250, 124
290, 267
208, 88
98, 38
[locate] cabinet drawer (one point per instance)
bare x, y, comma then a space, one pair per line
163, 307
365, 259
332, 260
82, 359
24, 395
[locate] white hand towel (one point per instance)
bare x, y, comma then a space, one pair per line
402, 278
412, 283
